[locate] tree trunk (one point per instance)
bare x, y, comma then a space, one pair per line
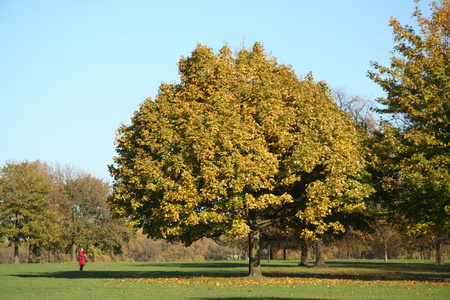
320, 258
284, 254
16, 253
385, 252
30, 254
74, 252
346, 248
74, 228
304, 259
440, 250
254, 268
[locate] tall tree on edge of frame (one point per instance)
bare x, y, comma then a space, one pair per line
418, 98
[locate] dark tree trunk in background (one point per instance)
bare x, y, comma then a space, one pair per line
440, 250
74, 230
16, 253
320, 258
284, 254
346, 248
254, 268
30, 254
304, 259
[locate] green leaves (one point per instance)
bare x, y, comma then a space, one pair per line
414, 155
25, 212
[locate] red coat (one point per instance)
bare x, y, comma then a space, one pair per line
81, 260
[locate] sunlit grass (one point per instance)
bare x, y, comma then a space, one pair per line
344, 279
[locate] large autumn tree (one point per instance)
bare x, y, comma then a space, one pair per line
232, 145
416, 148
26, 216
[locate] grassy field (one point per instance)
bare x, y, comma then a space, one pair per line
344, 279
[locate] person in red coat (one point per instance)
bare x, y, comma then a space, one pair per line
81, 260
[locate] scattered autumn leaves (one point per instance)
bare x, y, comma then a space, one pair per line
272, 281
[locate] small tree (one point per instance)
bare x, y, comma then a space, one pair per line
417, 158
359, 108
25, 213
84, 212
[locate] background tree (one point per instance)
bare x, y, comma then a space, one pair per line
385, 236
274, 239
360, 111
225, 151
352, 243
418, 100
25, 213
85, 216
359, 108
238, 246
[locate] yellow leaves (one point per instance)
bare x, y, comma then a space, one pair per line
239, 228
171, 211
136, 204
244, 281
192, 219
170, 231
266, 200
250, 201
219, 143
213, 217
290, 180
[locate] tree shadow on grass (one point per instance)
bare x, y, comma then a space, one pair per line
371, 271
259, 298
124, 274
193, 264
151, 270
365, 270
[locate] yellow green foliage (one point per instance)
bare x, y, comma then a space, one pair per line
416, 152
239, 138
26, 216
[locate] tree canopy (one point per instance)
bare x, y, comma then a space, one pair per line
25, 212
237, 144
84, 216
415, 150
56, 209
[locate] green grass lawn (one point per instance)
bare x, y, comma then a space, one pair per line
344, 279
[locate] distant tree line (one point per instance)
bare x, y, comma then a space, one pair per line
54, 211
352, 245
50, 212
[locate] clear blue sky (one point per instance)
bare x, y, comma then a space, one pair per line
71, 72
